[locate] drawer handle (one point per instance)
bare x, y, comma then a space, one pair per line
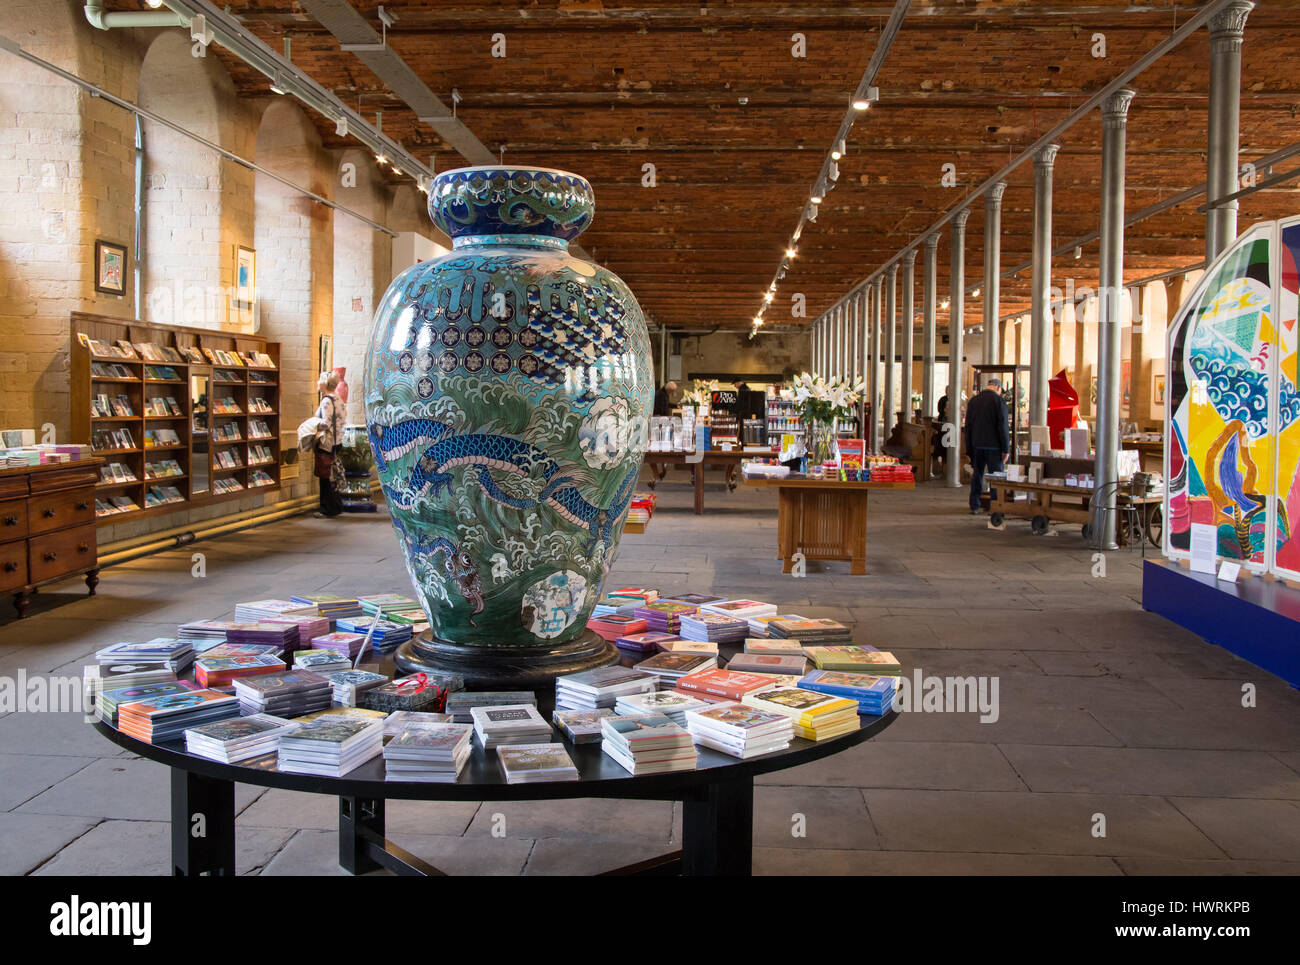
51, 557
48, 514
83, 505
83, 547
10, 566
11, 520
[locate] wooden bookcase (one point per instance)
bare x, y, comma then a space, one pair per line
217, 430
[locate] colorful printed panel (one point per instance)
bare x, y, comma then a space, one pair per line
1287, 484
1233, 436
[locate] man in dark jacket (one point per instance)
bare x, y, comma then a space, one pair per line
663, 404
988, 436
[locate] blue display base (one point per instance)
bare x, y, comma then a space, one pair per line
1257, 619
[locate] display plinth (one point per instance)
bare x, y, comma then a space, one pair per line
1255, 618
505, 668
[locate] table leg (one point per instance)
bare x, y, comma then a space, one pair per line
356, 813
21, 600
718, 830
731, 477
858, 534
203, 825
697, 472
785, 524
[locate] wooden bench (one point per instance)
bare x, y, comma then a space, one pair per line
912, 444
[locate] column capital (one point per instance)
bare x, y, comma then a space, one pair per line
1046, 157
1229, 24
909, 257
931, 243
959, 220
892, 270
1114, 109
993, 197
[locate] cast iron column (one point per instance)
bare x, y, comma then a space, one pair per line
1226, 30
909, 321
992, 341
929, 296
1114, 113
873, 380
956, 377
1040, 295
891, 348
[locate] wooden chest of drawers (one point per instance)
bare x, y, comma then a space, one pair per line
47, 527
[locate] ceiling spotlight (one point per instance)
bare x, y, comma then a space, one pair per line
811, 214
862, 103
834, 172
768, 297
277, 84
816, 199
975, 293
792, 252
381, 159
1078, 252
840, 150
944, 303
154, 4
341, 126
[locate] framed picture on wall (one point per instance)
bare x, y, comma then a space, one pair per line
1158, 389
245, 277
110, 268
324, 363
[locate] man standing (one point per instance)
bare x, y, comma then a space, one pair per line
988, 436
663, 398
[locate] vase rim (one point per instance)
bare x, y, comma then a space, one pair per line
532, 168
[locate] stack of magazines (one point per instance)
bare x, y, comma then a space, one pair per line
239, 738
283, 694
874, 694
512, 724
739, 730
673, 704
601, 687
428, 752
528, 763
331, 746
648, 744
167, 717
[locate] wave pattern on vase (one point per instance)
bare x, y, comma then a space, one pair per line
507, 388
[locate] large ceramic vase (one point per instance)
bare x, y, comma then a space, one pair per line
507, 390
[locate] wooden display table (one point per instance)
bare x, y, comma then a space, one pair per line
825, 519
47, 526
1151, 454
1057, 502
659, 462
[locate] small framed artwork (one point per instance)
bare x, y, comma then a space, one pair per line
110, 268
245, 277
1158, 388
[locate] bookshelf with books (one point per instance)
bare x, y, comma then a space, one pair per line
181, 416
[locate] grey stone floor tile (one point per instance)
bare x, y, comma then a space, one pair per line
904, 764
1290, 758
1095, 663
584, 817
61, 734
144, 848
32, 839
1184, 867
129, 788
1243, 730
568, 856
1025, 823
1026, 723
811, 817
1252, 830
1270, 695
796, 861
295, 809
308, 853
1137, 770
27, 775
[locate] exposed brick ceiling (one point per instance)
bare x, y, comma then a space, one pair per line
600, 88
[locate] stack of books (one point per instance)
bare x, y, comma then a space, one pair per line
393, 607
881, 663
330, 605
217, 671
673, 704
530, 763
387, 636
581, 726
776, 646
671, 666
690, 646
607, 605
461, 702
723, 684
741, 609
615, 625
664, 615
646, 642
397, 722
758, 626
811, 632
114, 676
167, 717
640, 595
331, 746
648, 744
714, 627
874, 694
107, 702
512, 724
321, 661
239, 738
349, 684
349, 643
283, 694
281, 635
739, 730
259, 610
417, 693
431, 753
308, 627
815, 716
200, 632
224, 649
696, 599
778, 663
161, 653
601, 687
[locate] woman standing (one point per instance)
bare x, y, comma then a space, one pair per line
331, 413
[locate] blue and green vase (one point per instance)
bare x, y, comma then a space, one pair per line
507, 390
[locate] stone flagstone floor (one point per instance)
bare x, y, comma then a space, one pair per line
1103, 709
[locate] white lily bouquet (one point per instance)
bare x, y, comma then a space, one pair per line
700, 394
822, 402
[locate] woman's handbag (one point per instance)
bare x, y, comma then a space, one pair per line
324, 464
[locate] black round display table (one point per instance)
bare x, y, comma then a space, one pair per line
717, 797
